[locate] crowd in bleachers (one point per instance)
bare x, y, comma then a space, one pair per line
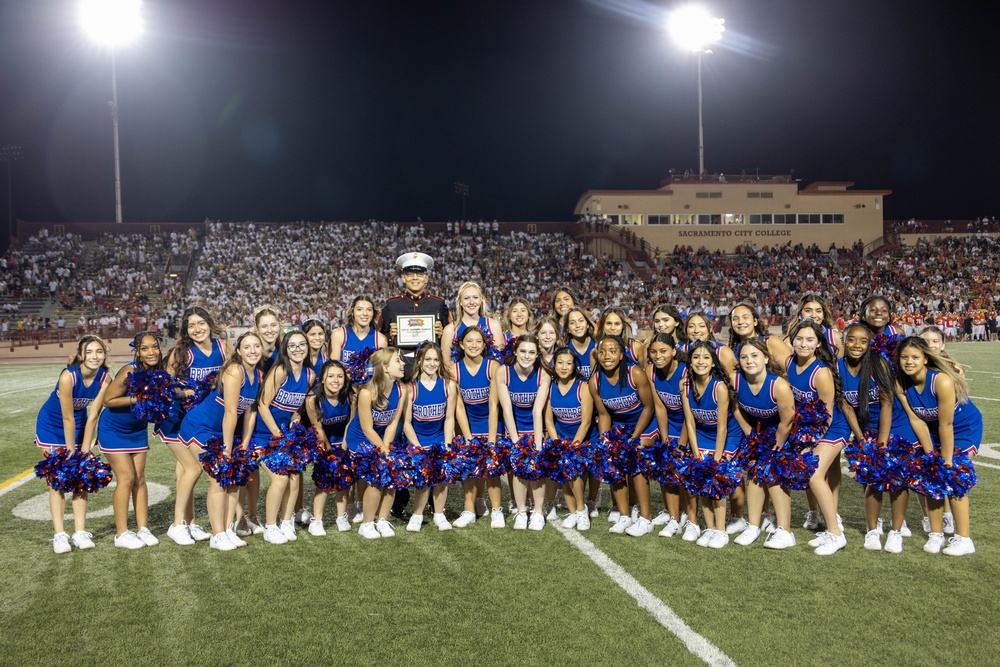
44, 266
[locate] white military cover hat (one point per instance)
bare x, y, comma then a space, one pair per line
415, 261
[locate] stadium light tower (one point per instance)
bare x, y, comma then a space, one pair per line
112, 23
692, 28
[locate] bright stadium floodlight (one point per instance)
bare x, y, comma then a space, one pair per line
112, 23
693, 29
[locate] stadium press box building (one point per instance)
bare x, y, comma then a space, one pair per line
721, 212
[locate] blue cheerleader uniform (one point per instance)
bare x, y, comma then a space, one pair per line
852, 387
760, 409
475, 391
622, 402
353, 346
669, 391
320, 360
567, 410
265, 365
119, 432
484, 326
430, 407
334, 419
205, 419
286, 402
968, 422
706, 421
804, 390
381, 419
522, 397
584, 357
49, 425
199, 367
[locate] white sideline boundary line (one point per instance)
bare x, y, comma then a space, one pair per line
664, 615
984, 398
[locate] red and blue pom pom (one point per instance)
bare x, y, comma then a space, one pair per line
616, 455
498, 457
665, 462
885, 345
233, 470
372, 465
937, 481
715, 479
409, 466
469, 458
788, 467
526, 459
78, 472
564, 461
333, 470
201, 389
292, 451
358, 368
153, 391
887, 468
810, 424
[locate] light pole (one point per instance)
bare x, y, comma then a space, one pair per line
693, 29
112, 23
9, 154
462, 189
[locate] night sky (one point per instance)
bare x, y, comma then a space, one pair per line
292, 110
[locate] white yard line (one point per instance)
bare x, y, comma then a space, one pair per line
664, 615
14, 482
984, 398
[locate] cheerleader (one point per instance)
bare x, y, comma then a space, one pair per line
267, 324
614, 323
474, 378
667, 319
666, 371
357, 334
935, 339
123, 440
569, 414
813, 375
196, 358
315, 332
547, 332
218, 416
868, 390
712, 431
430, 421
471, 306
281, 395
936, 400
698, 327
622, 397
61, 424
381, 404
578, 335
765, 402
812, 307
517, 319
328, 408
562, 300
519, 392
744, 323
876, 313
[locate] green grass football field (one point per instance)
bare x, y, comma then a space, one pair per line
486, 596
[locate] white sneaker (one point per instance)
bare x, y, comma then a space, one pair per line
303, 517
592, 509
464, 519
128, 540
354, 513
894, 543
343, 523
749, 535
635, 513
880, 526
768, 523
831, 545
288, 529
812, 520
551, 514
512, 507
720, 538
147, 537
737, 525
780, 539
583, 520
520, 521
570, 520
369, 531
621, 525
925, 524
537, 521
256, 527
948, 521
60, 543
959, 546
818, 540
243, 528
840, 524
273, 535
82, 540
414, 524
441, 522
180, 534
481, 507
198, 533
613, 516
904, 530
670, 529
385, 528
873, 540
691, 532
705, 537
235, 539
662, 519
641, 526
220, 542
316, 528
934, 543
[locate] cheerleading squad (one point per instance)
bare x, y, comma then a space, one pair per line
560, 404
